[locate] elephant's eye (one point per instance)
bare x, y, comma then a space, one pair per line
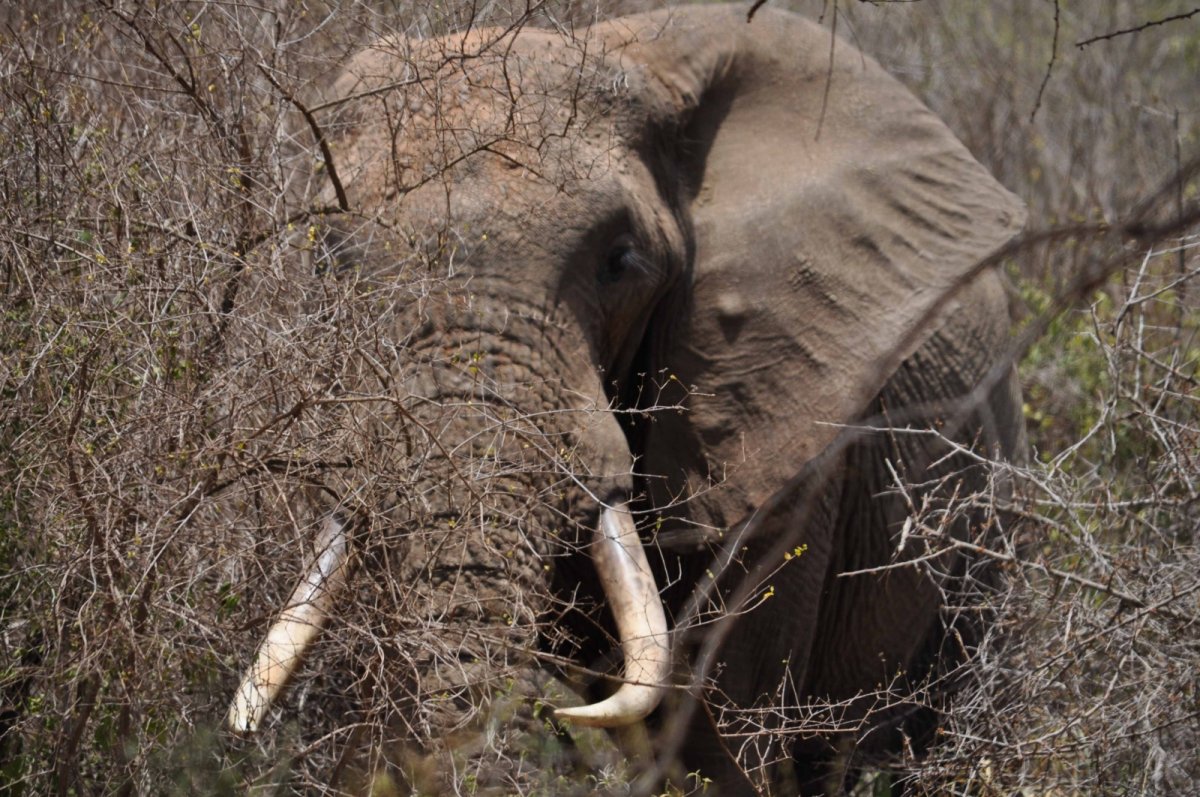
622, 259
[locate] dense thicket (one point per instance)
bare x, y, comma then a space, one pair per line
159, 166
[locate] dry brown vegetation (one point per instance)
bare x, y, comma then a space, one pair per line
166, 388
1091, 687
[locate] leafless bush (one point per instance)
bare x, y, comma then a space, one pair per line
192, 364
1085, 678
180, 374
1087, 683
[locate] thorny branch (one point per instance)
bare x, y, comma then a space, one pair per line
1138, 28
318, 135
1037, 103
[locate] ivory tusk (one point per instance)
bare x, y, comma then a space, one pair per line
290, 636
633, 596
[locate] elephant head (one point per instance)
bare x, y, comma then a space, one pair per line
682, 251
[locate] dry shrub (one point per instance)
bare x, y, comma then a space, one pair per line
184, 373
1087, 682
166, 383
173, 380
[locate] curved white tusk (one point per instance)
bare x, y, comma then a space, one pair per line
633, 596
294, 631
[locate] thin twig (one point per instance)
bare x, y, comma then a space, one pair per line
318, 134
1049, 65
1137, 28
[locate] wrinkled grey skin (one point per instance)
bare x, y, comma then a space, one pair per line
662, 214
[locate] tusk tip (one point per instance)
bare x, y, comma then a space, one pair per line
240, 723
243, 727
589, 719
627, 706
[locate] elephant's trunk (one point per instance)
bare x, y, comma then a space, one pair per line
637, 609
624, 573
475, 528
296, 628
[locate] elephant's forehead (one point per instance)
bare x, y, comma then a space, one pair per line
506, 119
482, 205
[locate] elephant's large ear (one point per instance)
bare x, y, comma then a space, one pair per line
831, 211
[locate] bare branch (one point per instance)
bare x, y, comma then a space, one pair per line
1137, 28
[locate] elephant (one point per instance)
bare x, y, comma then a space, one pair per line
707, 289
